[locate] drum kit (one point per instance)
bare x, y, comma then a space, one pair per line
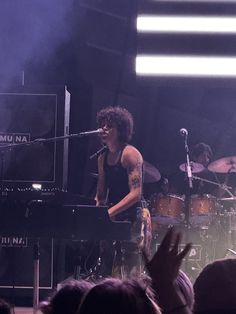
198, 210
208, 221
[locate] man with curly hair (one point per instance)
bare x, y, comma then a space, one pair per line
120, 173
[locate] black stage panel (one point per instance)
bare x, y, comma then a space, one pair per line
16, 263
30, 113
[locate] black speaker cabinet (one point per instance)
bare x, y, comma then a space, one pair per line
16, 263
28, 114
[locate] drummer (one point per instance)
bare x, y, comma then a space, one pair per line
201, 155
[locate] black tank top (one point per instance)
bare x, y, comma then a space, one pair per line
117, 183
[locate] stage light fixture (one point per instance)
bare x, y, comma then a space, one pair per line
197, 1
186, 24
165, 65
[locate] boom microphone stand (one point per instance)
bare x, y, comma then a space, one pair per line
184, 133
52, 139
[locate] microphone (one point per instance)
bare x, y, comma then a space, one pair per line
93, 132
99, 152
183, 132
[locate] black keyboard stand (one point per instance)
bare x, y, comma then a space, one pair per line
93, 223
62, 222
36, 256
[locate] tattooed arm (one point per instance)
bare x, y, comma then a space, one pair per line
132, 161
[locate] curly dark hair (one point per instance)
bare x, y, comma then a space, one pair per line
118, 117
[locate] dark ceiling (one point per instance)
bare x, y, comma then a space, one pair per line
90, 46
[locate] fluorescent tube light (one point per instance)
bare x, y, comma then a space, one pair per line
164, 65
186, 24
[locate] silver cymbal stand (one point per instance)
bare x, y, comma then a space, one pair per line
224, 187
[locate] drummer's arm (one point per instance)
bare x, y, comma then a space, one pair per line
101, 195
131, 160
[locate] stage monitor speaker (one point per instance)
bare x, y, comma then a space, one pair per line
16, 263
27, 114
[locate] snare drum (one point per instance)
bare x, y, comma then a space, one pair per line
202, 210
167, 209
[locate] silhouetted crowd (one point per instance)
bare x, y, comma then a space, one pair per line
164, 288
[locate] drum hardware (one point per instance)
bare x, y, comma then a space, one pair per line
230, 216
224, 187
195, 167
204, 233
231, 251
225, 229
150, 173
232, 198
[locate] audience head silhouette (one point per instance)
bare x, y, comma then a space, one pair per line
119, 297
68, 298
215, 288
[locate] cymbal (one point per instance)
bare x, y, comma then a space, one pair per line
223, 165
151, 174
195, 167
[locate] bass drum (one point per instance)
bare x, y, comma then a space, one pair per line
167, 209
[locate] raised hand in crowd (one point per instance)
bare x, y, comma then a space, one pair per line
163, 269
